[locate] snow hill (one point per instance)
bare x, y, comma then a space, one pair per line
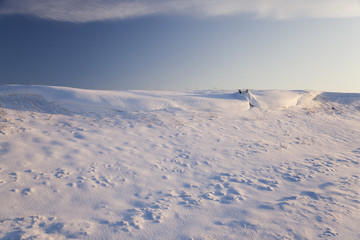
86, 164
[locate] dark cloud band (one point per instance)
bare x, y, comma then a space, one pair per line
100, 10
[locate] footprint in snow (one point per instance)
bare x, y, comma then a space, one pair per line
326, 185
224, 191
311, 195
266, 207
138, 217
61, 173
328, 232
79, 136
41, 227
14, 176
189, 200
26, 191
102, 181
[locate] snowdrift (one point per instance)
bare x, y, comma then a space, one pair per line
45, 98
263, 164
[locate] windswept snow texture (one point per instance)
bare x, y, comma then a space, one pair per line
84, 164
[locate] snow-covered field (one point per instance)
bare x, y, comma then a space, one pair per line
89, 164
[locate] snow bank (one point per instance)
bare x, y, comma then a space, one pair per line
126, 100
72, 99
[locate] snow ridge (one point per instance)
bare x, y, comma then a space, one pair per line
155, 100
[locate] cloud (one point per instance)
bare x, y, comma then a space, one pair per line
99, 10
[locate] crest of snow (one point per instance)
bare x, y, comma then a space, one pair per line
205, 100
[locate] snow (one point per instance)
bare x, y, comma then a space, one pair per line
90, 164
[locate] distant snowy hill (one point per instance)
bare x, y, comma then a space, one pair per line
91, 164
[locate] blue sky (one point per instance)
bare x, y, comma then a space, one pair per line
189, 44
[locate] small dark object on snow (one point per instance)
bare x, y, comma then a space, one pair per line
251, 105
247, 91
240, 91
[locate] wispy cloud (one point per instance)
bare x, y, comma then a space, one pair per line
98, 10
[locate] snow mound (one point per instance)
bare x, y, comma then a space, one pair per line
45, 98
279, 99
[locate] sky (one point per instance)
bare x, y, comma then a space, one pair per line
181, 44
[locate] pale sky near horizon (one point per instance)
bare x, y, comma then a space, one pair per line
177, 45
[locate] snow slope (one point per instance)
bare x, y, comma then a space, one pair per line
85, 164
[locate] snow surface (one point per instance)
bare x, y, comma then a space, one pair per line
87, 164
